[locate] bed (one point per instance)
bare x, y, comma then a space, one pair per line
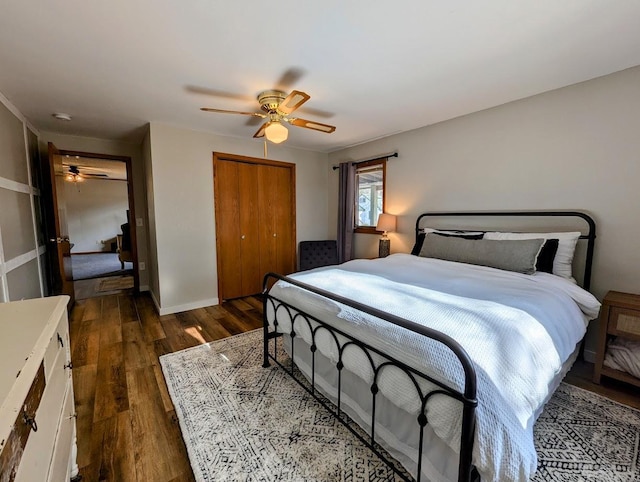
445, 365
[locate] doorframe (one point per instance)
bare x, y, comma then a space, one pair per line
221, 156
132, 210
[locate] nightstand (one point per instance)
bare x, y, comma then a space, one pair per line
619, 316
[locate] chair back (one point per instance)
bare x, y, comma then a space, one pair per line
313, 254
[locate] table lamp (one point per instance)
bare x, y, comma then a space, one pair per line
386, 223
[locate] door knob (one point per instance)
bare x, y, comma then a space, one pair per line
57, 240
242, 237
274, 235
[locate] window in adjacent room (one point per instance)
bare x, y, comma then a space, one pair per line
370, 179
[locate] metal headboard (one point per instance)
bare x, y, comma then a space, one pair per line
590, 236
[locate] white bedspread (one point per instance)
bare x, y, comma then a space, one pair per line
518, 329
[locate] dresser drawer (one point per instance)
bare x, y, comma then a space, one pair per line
60, 467
12, 451
39, 449
624, 322
59, 344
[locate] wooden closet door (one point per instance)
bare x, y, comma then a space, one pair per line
277, 250
255, 222
267, 193
249, 221
285, 221
227, 198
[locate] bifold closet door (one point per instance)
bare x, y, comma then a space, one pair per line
227, 198
250, 225
255, 223
275, 193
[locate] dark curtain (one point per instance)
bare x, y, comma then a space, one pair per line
346, 205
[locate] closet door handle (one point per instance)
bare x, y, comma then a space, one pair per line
242, 237
274, 235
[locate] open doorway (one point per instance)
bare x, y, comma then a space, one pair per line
100, 219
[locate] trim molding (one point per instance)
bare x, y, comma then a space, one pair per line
144, 288
14, 110
186, 307
18, 261
17, 186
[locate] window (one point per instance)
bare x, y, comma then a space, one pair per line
370, 178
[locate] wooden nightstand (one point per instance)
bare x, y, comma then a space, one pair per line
619, 316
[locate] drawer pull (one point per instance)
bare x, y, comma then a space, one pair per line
29, 420
60, 341
69, 365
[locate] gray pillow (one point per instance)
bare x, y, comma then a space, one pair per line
511, 255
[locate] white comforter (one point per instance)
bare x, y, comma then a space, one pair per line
518, 329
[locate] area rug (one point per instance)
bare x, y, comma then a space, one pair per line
119, 283
97, 265
240, 421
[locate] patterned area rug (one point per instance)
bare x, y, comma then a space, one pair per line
243, 422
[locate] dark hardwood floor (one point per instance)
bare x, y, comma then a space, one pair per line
127, 429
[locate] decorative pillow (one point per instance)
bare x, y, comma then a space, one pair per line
547, 255
511, 255
562, 263
460, 234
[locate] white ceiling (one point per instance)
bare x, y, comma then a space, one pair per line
379, 67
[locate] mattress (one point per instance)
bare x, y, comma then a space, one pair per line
519, 329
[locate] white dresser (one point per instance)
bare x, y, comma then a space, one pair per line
37, 415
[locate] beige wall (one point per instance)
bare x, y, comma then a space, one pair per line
182, 178
96, 208
572, 148
114, 148
21, 243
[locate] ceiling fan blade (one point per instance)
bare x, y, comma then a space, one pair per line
316, 126
288, 78
194, 89
222, 111
294, 100
260, 132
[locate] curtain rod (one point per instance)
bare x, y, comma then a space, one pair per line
395, 154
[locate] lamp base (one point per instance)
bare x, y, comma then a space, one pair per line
384, 248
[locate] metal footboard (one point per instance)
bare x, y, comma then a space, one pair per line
466, 470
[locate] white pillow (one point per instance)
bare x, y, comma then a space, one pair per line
562, 263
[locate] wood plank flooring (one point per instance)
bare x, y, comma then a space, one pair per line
127, 429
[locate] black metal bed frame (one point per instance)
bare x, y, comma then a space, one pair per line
466, 470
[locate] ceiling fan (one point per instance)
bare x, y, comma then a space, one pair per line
277, 108
74, 175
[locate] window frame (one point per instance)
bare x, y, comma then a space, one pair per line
362, 165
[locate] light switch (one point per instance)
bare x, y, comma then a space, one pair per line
139, 222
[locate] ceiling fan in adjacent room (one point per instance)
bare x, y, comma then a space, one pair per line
73, 174
277, 108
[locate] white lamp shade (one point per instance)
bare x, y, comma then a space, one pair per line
386, 223
276, 132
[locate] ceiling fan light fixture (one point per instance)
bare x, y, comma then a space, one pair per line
276, 132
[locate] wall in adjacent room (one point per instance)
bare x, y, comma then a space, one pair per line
114, 148
22, 245
573, 148
182, 178
96, 209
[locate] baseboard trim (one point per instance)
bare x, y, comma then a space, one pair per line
186, 307
155, 301
144, 288
590, 356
